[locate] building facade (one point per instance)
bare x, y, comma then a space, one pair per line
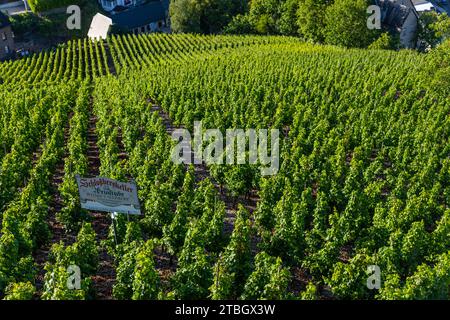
110, 5
408, 35
400, 16
6, 37
146, 18
136, 16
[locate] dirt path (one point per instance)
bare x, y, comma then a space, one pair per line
104, 279
111, 66
202, 172
56, 229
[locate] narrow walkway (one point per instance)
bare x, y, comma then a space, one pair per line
202, 172
56, 229
111, 66
104, 280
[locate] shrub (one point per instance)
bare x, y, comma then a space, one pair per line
20, 291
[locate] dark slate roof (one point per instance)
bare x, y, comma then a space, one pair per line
4, 21
166, 4
393, 14
141, 15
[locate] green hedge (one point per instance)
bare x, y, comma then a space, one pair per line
45, 5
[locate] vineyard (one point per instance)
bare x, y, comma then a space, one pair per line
364, 177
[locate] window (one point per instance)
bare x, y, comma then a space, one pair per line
109, 4
6, 49
4, 36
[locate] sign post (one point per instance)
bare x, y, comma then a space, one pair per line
113, 220
107, 195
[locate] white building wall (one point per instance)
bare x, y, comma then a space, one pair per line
108, 5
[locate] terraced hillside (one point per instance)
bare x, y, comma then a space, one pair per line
363, 179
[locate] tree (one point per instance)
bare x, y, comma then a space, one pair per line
203, 16
433, 29
311, 18
264, 15
240, 24
218, 13
185, 16
442, 27
287, 24
346, 24
438, 69
44, 5
267, 17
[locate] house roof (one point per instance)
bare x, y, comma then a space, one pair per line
141, 15
393, 14
424, 6
4, 21
99, 27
